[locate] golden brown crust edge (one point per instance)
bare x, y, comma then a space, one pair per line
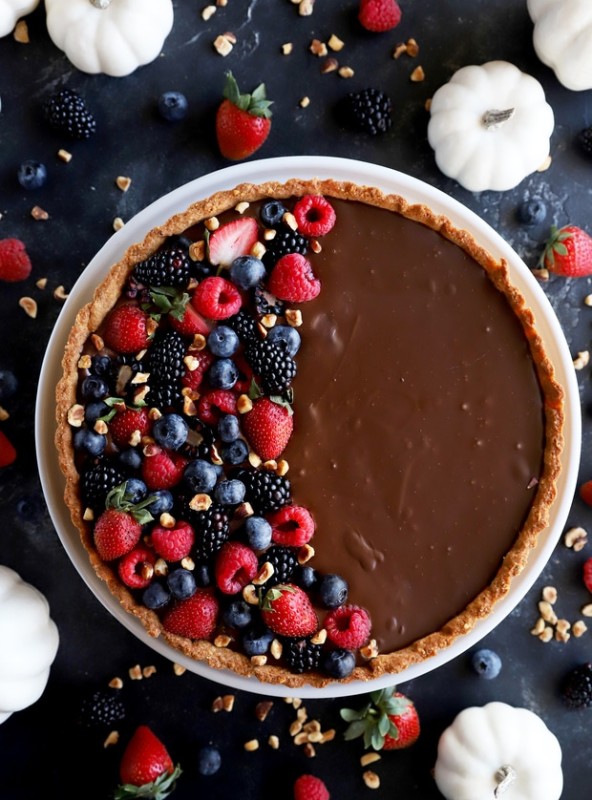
107, 293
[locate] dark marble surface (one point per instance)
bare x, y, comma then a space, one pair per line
40, 746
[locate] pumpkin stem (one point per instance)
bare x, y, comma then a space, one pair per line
101, 3
504, 777
494, 118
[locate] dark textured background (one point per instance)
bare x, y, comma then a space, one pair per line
39, 746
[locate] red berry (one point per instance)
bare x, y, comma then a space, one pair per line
192, 378
7, 451
268, 427
130, 567
190, 323
144, 759
407, 725
125, 329
292, 279
214, 403
175, 543
568, 252
243, 121
127, 423
309, 787
195, 618
379, 15
217, 298
115, 534
292, 526
236, 566
348, 626
15, 264
587, 573
586, 492
163, 470
288, 611
231, 240
315, 215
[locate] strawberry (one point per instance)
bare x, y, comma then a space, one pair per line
243, 121
586, 492
116, 533
217, 298
309, 787
125, 329
174, 543
291, 526
587, 574
379, 15
268, 427
15, 264
146, 768
568, 252
190, 322
132, 565
163, 470
128, 423
388, 722
194, 618
232, 240
292, 279
287, 611
7, 451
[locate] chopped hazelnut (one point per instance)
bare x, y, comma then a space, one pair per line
123, 182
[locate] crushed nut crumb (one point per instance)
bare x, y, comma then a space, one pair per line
369, 758
115, 683
111, 739
304, 102
262, 709
345, 72
208, 12
575, 538
39, 213
371, 779
21, 32
123, 182
223, 45
118, 224
64, 155
29, 306
579, 628
273, 742
549, 594
179, 669
417, 75
135, 673
335, 43
149, 671
251, 745
582, 359
287, 48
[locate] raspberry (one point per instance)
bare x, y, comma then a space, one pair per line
213, 404
379, 15
192, 379
314, 214
586, 492
309, 787
587, 573
292, 526
195, 617
163, 470
127, 422
348, 626
217, 298
7, 450
236, 566
173, 544
130, 567
292, 279
15, 264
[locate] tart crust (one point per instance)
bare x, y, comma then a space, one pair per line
107, 293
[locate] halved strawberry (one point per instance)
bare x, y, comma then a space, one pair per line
232, 240
190, 323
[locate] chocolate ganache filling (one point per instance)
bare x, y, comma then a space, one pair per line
419, 422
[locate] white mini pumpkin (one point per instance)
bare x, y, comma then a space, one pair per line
496, 751
562, 38
29, 640
490, 126
11, 11
109, 36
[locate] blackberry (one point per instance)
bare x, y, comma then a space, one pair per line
121, 370
367, 111
164, 362
285, 241
170, 267
97, 482
265, 491
284, 562
585, 141
272, 364
267, 303
102, 708
212, 529
301, 655
66, 112
244, 325
576, 690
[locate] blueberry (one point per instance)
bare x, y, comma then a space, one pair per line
230, 492
256, 641
94, 411
208, 760
305, 576
238, 614
202, 576
155, 596
170, 431
332, 590
200, 475
90, 441
31, 508
339, 663
486, 663
94, 388
181, 583
172, 106
258, 531
8, 384
223, 374
135, 490
247, 271
130, 458
271, 213
162, 501
223, 341
100, 365
235, 452
532, 211
32, 174
228, 428
286, 335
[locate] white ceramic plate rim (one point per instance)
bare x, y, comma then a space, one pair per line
281, 169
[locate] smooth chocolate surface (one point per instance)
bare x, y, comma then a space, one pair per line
418, 422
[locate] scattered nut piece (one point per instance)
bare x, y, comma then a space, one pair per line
179, 669
76, 415
60, 293
197, 250
576, 538
329, 65
264, 574
244, 510
101, 427
370, 650
123, 182
546, 635
188, 563
587, 610
223, 45
41, 283
269, 320
251, 745
549, 594
161, 568
305, 553
295, 728
290, 220
299, 738
320, 637
562, 626
282, 467
112, 739
258, 250
21, 32
304, 102
4, 415
588, 300
328, 736
547, 613
371, 779
309, 750
412, 48
369, 758
539, 627
242, 206
89, 515
541, 274
258, 661
335, 43
579, 628
250, 595
270, 465
115, 683
273, 742
293, 317
208, 12
582, 359
118, 224
399, 50
149, 671
262, 709
287, 48
316, 246
29, 306
212, 224
64, 156
318, 48
276, 649
305, 8
84, 362
254, 459
562, 636
417, 75
217, 705
345, 72
39, 213
135, 673
228, 702
200, 502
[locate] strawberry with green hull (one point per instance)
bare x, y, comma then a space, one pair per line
146, 769
568, 252
268, 426
388, 722
243, 121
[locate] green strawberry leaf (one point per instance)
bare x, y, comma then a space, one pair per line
384, 724
351, 715
117, 498
393, 731
354, 730
155, 790
376, 739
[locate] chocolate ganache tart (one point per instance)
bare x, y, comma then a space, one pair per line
309, 431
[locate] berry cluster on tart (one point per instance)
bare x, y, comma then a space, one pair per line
188, 443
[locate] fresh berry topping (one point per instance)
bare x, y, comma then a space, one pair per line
182, 583
133, 567
266, 491
238, 614
288, 611
97, 482
272, 212
223, 341
216, 298
146, 764
301, 655
587, 574
169, 267
164, 363
287, 336
128, 425
195, 618
284, 242
91, 442
338, 663
400, 729
223, 374
283, 560
348, 626
193, 378
209, 760
258, 532
212, 529
268, 427
243, 121
245, 326
379, 15
486, 663
103, 707
271, 363
172, 106
174, 543
292, 279
125, 329
156, 596
532, 211
229, 492
576, 688
15, 264
247, 271
256, 640
188, 321
236, 566
231, 241
170, 431
116, 533
332, 590
315, 215
309, 787
32, 174
212, 405
568, 252
292, 526
66, 112
163, 470
367, 111
200, 475
7, 451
